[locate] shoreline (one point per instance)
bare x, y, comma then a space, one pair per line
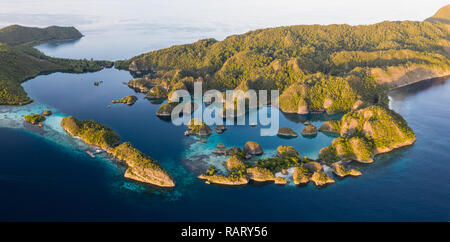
438, 78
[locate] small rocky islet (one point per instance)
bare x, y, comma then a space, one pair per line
356, 89
47, 112
267, 170
359, 140
198, 127
140, 167
309, 130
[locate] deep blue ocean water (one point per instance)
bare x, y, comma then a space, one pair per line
46, 175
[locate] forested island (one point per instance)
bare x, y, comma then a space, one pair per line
140, 166
334, 69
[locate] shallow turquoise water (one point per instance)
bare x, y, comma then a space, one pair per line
46, 175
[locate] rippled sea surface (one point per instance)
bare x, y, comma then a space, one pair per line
46, 175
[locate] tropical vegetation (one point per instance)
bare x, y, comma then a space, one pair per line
19, 61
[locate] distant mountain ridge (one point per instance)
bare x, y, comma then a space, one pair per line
17, 35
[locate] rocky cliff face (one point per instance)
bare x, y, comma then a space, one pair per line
235, 163
287, 132
300, 175
321, 179
199, 128
128, 100
224, 180
341, 171
260, 174
141, 167
253, 148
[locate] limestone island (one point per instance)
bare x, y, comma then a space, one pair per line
220, 128
287, 132
316, 68
47, 112
128, 100
268, 170
34, 119
198, 127
365, 133
140, 167
309, 130
253, 148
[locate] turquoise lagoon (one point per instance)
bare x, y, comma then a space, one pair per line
46, 174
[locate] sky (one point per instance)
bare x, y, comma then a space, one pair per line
89, 14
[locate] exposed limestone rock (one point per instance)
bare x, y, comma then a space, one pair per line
199, 128
321, 179
224, 180
309, 130
234, 163
253, 148
280, 181
286, 150
260, 174
302, 107
47, 112
313, 166
141, 85
328, 102
357, 104
300, 175
340, 170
